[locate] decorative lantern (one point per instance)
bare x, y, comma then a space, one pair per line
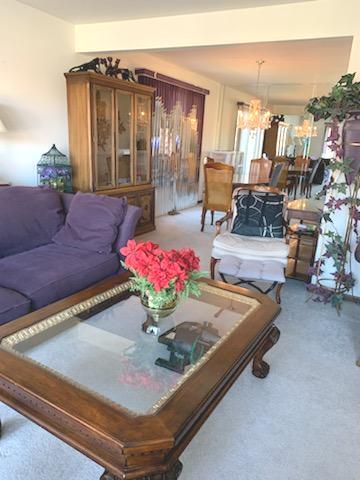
54, 170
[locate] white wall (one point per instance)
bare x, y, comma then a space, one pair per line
228, 116
293, 21
35, 51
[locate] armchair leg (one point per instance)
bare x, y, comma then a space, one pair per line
213, 262
212, 217
278, 292
203, 215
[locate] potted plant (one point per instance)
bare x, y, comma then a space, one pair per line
161, 277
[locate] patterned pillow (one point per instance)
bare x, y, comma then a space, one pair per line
259, 215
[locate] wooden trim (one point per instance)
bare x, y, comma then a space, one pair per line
144, 72
109, 82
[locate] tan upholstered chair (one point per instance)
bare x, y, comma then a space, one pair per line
218, 189
260, 169
301, 163
283, 177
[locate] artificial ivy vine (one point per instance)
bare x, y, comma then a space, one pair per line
343, 99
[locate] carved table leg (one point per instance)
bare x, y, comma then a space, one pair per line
260, 367
172, 474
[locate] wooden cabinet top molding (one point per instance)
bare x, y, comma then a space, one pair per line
107, 81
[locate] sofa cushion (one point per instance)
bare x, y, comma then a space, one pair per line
51, 272
12, 305
250, 248
92, 222
29, 218
267, 270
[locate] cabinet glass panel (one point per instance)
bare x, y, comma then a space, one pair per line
103, 134
124, 126
142, 140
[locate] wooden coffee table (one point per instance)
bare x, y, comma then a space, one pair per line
84, 370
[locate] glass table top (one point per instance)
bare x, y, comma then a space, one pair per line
99, 344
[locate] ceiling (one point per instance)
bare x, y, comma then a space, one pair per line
290, 70
92, 11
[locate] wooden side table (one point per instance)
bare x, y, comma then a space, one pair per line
303, 241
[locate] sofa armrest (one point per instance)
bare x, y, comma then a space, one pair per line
128, 226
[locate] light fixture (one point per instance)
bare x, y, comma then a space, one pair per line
306, 130
255, 115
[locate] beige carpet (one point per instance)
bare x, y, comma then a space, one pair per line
301, 423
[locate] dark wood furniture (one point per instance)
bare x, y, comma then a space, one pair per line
302, 241
110, 139
128, 446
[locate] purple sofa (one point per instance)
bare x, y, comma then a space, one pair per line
38, 265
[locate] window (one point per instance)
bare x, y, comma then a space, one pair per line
327, 152
249, 145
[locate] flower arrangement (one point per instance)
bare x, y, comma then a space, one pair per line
162, 276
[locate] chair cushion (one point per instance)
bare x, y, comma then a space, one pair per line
12, 305
29, 218
259, 214
92, 222
267, 270
52, 272
250, 248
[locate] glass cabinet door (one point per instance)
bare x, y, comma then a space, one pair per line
103, 98
142, 138
124, 135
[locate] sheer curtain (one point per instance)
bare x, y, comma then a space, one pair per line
176, 143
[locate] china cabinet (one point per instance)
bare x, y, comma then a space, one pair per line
110, 139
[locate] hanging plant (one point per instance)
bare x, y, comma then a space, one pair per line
343, 99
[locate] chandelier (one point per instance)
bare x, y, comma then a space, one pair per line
306, 130
255, 115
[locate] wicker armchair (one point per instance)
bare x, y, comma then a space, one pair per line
218, 189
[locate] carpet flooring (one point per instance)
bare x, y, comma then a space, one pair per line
301, 423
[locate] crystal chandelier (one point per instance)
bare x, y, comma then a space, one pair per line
306, 130
255, 115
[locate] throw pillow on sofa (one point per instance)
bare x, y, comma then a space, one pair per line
92, 222
29, 218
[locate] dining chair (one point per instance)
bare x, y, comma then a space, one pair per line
309, 180
260, 169
279, 159
275, 175
218, 189
301, 163
208, 160
283, 182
